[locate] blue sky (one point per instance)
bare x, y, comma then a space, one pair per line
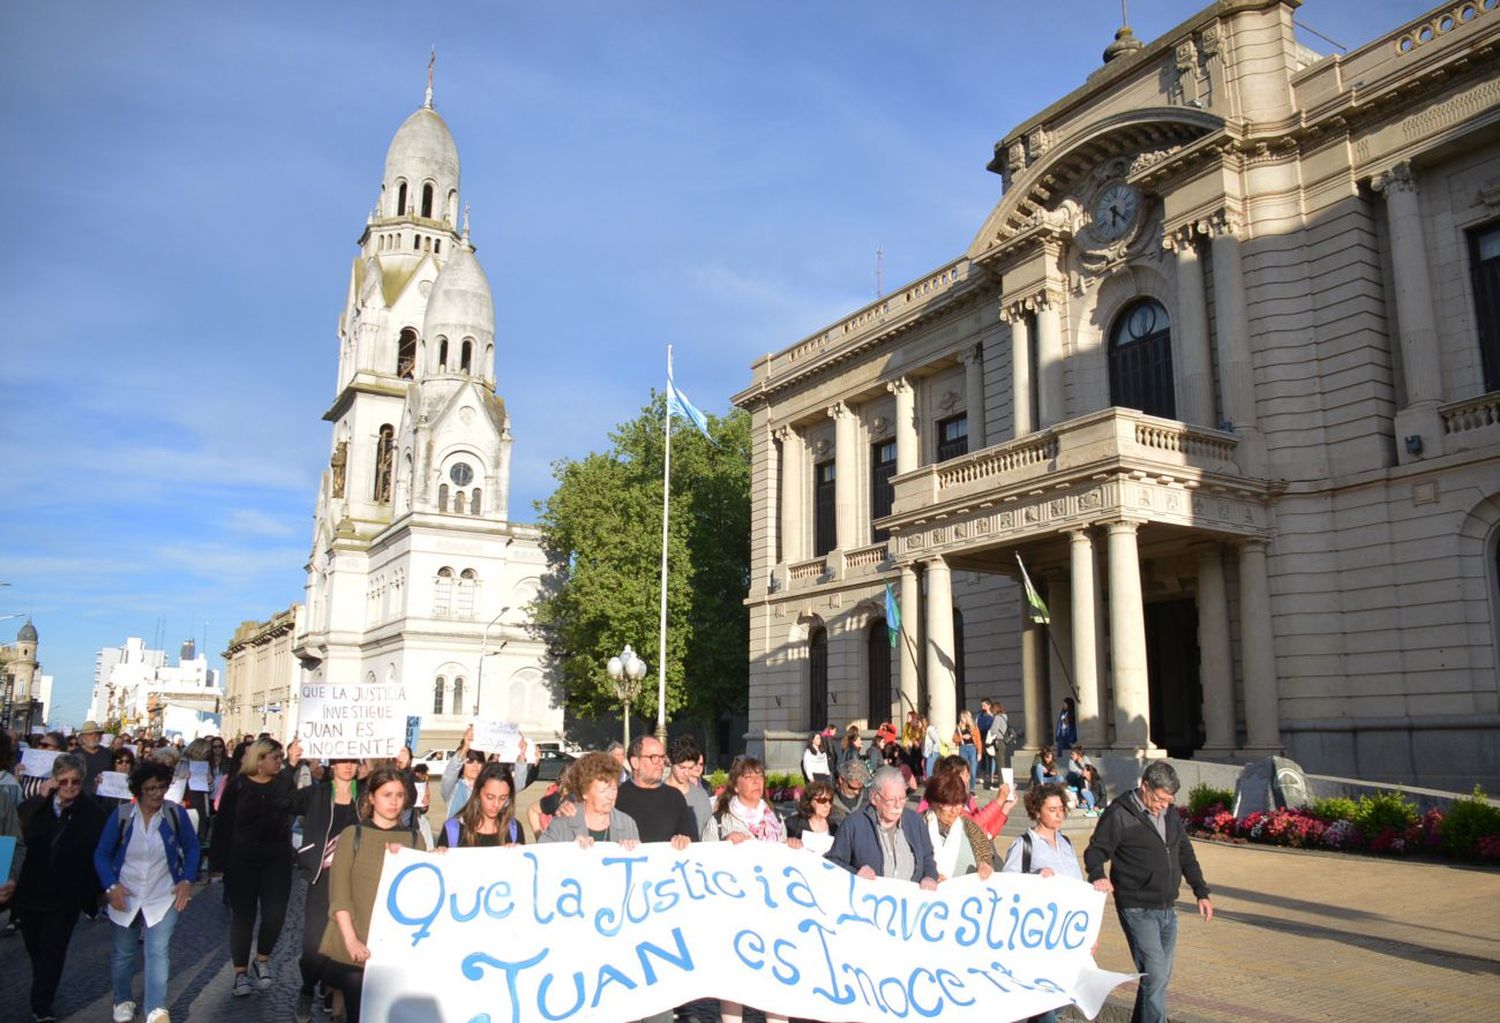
185, 182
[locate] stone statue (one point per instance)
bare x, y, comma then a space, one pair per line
338, 463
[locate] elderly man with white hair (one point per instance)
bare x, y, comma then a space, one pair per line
885, 839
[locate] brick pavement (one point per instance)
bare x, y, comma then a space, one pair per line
1298, 937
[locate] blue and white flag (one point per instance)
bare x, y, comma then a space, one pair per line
679, 405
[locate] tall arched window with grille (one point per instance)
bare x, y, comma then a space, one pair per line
427, 199
439, 686
817, 677
458, 695
1140, 359
466, 356
401, 199
468, 581
406, 354
442, 598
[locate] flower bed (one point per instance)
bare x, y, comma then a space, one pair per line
1383, 824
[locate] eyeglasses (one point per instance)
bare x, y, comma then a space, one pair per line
822, 799
653, 757
69, 782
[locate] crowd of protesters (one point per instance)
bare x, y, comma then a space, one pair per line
256, 816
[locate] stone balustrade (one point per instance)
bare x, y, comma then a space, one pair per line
1471, 423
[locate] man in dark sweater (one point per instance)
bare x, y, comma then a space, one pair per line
96, 758
660, 812
1141, 836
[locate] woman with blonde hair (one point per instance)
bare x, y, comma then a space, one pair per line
966, 741
252, 846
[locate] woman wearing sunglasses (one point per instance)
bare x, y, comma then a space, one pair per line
812, 824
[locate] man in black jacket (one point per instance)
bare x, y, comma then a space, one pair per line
1142, 838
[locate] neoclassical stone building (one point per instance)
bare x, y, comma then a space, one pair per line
417, 573
1223, 366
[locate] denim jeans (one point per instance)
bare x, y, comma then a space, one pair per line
971, 757
158, 963
1152, 935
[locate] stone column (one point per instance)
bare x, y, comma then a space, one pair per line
1421, 357
1190, 347
1036, 712
793, 466
1020, 371
974, 395
1257, 654
1050, 355
1214, 658
1232, 332
1127, 640
1085, 644
845, 475
774, 484
942, 685
911, 615
906, 425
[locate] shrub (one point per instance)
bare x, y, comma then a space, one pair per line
1205, 797
1337, 808
1467, 822
718, 779
1386, 817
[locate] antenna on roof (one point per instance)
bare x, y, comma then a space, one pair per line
431, 60
1124, 14
879, 272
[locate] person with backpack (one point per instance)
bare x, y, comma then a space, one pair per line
357, 862
146, 860
252, 847
327, 808
1044, 850
488, 818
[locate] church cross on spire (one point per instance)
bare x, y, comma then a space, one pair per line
431, 60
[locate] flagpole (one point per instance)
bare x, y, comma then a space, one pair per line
666, 506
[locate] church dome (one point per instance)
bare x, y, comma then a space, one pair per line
460, 304
422, 152
27, 633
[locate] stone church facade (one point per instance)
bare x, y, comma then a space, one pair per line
417, 573
1223, 367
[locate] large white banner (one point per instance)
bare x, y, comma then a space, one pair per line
557, 932
337, 721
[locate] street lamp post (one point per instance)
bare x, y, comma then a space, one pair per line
484, 645
626, 671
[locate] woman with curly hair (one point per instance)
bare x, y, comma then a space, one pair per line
488, 818
813, 825
595, 779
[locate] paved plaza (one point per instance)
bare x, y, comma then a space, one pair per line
1297, 937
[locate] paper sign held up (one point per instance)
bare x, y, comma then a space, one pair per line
114, 785
499, 737
338, 721
198, 775
37, 763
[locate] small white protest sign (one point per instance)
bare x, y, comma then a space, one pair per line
339, 721
198, 775
37, 763
177, 790
114, 785
500, 737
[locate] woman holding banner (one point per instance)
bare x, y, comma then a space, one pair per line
743, 815
959, 845
252, 847
595, 778
328, 807
488, 819
354, 878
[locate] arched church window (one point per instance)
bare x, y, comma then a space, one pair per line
458, 503
401, 199
468, 582
384, 449
452, 205
489, 361
437, 247
466, 356
427, 200
442, 598
406, 354
416, 241
442, 497
439, 684
1140, 359
442, 355
474, 506
458, 695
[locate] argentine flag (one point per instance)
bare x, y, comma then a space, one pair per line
678, 404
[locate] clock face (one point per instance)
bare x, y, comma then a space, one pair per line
461, 474
1115, 211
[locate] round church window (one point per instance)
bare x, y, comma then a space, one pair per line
461, 474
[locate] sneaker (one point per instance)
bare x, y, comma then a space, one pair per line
303, 1013
260, 972
242, 986
158, 1016
124, 1012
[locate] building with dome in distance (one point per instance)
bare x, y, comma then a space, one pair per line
417, 573
24, 690
1221, 366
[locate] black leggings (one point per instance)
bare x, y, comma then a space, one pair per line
47, 933
349, 980
314, 922
250, 881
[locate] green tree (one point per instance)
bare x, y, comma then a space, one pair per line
603, 522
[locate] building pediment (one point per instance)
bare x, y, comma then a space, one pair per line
1039, 194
